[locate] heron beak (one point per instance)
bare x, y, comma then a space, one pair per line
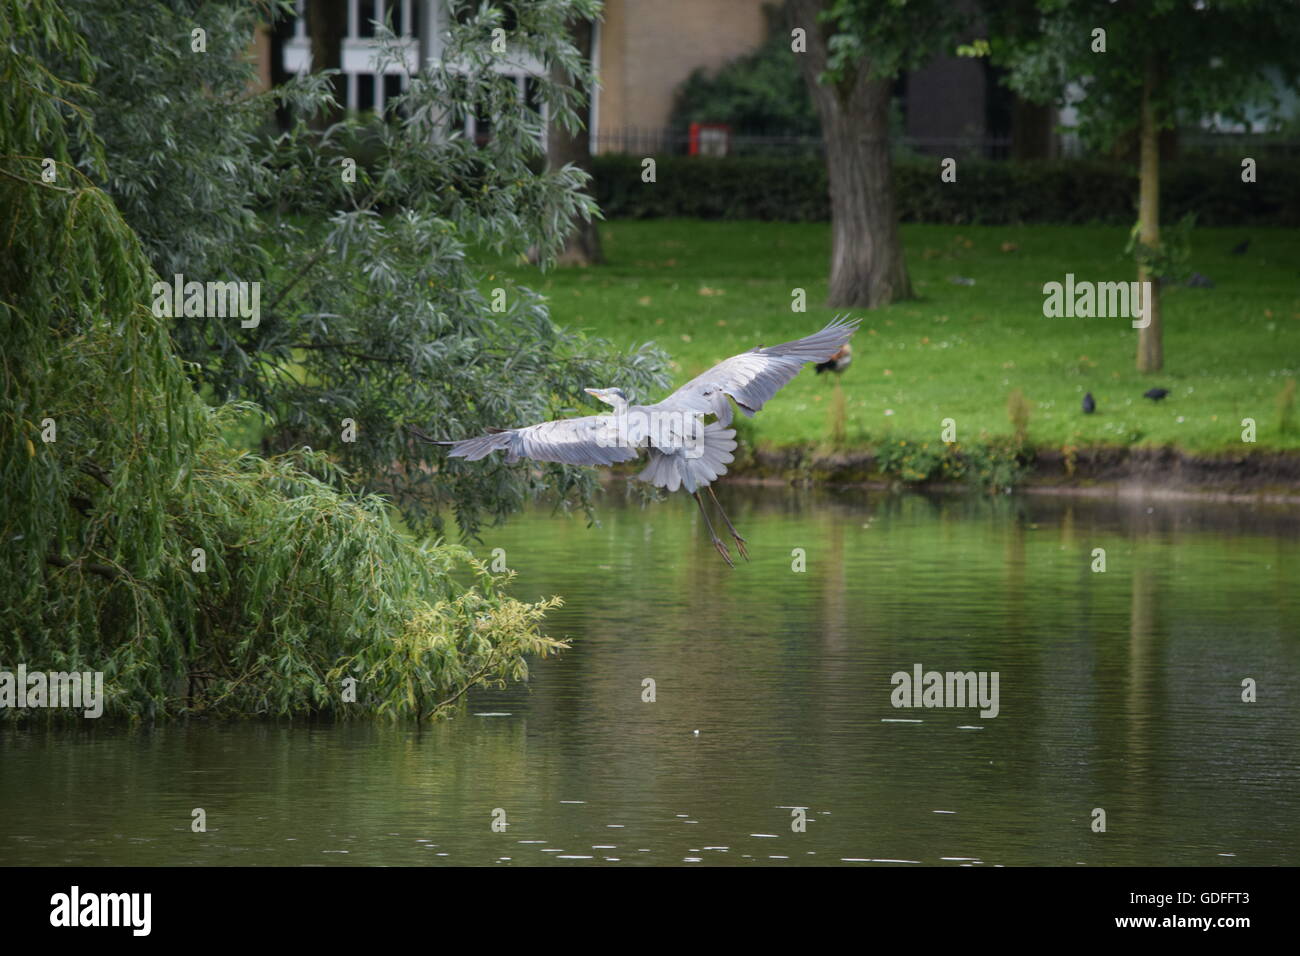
592, 391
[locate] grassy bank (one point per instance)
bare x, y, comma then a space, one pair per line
706, 290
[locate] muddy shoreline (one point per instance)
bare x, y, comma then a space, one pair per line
1269, 476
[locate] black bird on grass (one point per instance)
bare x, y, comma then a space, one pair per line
1240, 248
1089, 406
1155, 394
837, 363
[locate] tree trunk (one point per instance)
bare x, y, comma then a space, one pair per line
1150, 355
582, 248
281, 34
1031, 130
867, 264
327, 25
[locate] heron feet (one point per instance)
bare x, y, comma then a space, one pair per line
717, 542
740, 542
740, 545
722, 550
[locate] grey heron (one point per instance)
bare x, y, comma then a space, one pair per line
684, 450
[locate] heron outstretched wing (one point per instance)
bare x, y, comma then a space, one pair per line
753, 377
591, 440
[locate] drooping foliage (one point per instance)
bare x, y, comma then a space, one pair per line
137, 542
372, 239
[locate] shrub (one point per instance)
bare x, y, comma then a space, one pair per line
994, 465
1062, 192
138, 544
1018, 414
1286, 408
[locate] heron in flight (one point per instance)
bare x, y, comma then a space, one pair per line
684, 450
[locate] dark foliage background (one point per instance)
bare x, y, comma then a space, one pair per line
1061, 192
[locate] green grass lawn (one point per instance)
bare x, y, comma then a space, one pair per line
706, 290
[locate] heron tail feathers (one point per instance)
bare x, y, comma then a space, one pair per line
677, 469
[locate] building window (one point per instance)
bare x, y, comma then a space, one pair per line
365, 92
367, 13
365, 88
392, 90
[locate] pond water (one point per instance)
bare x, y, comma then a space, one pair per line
1118, 690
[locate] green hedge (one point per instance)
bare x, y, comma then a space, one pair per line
1060, 192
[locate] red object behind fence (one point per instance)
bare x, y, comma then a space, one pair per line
710, 139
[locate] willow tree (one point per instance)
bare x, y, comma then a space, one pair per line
138, 543
377, 240
855, 50
1139, 68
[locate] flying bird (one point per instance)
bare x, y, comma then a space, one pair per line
1089, 406
684, 450
1155, 394
838, 362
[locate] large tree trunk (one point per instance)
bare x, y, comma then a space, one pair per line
281, 34
1031, 129
327, 25
583, 245
867, 265
1150, 355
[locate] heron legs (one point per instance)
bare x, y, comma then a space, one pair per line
740, 542
717, 542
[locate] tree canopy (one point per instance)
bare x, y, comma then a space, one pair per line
1133, 70
138, 543
761, 92
372, 240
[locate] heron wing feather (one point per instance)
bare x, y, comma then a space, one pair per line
753, 377
591, 440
